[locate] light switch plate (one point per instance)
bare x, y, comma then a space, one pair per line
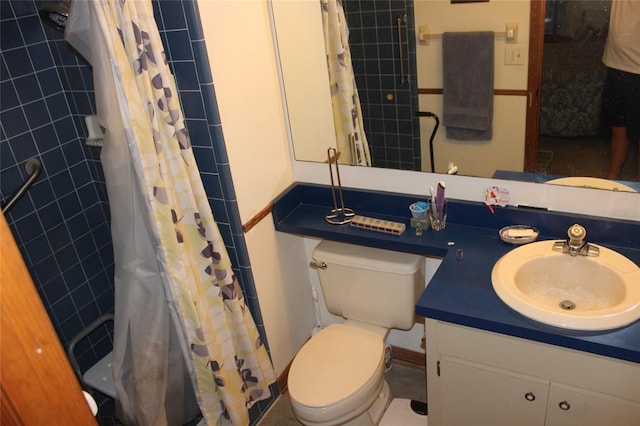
511, 34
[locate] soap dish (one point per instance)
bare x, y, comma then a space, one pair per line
518, 234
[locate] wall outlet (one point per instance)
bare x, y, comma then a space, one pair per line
514, 55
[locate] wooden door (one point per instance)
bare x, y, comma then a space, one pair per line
38, 386
536, 46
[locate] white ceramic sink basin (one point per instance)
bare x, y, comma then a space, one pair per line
591, 182
580, 293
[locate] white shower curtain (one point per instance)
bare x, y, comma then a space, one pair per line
347, 113
183, 337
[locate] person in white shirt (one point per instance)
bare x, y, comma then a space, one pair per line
621, 92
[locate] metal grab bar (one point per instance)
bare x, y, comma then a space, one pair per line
353, 150
402, 19
433, 134
80, 336
34, 168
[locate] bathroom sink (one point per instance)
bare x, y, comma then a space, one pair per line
573, 292
591, 182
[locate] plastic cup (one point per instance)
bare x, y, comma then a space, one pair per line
417, 211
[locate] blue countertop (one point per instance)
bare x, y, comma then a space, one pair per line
461, 292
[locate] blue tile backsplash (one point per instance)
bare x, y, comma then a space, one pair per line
392, 129
62, 224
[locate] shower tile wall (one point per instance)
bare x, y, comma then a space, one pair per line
62, 225
391, 126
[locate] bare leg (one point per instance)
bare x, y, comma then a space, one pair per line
620, 146
638, 177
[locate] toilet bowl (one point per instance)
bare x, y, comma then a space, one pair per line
337, 378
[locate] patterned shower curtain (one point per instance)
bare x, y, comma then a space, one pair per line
184, 339
347, 114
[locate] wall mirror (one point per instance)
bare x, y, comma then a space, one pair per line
557, 53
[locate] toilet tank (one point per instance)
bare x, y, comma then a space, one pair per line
370, 285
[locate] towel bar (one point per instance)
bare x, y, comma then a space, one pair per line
425, 35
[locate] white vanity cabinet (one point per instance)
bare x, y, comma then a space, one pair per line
569, 406
470, 392
478, 378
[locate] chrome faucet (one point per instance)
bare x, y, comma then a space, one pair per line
576, 245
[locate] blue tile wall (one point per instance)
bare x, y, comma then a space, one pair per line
62, 224
391, 126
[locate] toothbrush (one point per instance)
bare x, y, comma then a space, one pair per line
440, 200
433, 200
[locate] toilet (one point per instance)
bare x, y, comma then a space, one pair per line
337, 377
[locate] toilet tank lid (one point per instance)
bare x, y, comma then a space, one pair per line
369, 258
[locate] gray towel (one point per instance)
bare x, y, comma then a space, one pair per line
467, 66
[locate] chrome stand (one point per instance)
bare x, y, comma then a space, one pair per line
338, 215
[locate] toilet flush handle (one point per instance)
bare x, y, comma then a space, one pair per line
317, 265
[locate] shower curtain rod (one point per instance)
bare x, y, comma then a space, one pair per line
34, 168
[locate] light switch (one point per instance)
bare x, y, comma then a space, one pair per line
511, 34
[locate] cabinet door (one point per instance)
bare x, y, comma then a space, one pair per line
569, 406
474, 394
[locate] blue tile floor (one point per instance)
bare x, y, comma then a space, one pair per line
107, 415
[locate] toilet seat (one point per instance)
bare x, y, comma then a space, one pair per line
337, 373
